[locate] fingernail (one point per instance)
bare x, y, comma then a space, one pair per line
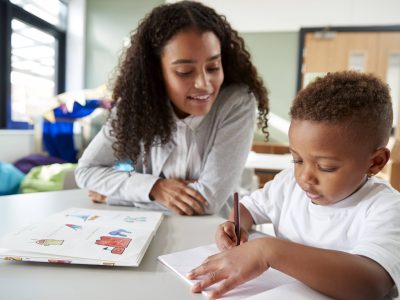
195, 288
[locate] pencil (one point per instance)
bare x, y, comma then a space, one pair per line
236, 212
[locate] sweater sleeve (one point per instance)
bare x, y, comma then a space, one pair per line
96, 172
227, 156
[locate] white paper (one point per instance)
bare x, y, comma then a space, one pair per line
272, 284
293, 291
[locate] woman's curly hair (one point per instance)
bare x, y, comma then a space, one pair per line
348, 97
144, 117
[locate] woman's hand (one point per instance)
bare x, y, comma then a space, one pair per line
176, 195
232, 268
225, 236
96, 197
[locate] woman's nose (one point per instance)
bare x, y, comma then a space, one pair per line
201, 81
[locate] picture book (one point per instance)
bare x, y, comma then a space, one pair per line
84, 236
272, 284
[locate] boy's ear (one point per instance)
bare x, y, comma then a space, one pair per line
378, 160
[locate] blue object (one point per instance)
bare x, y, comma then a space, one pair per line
125, 166
58, 137
11, 179
120, 232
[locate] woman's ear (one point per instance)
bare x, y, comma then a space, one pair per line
378, 160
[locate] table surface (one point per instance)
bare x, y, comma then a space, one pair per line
275, 162
151, 280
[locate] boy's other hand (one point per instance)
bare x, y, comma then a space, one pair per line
96, 197
225, 236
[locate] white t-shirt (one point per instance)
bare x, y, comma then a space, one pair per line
366, 223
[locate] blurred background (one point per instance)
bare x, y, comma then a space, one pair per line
57, 57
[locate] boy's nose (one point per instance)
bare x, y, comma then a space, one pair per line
307, 176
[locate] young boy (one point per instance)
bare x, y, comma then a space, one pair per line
337, 227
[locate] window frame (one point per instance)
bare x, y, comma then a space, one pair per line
8, 12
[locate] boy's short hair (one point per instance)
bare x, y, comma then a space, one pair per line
357, 100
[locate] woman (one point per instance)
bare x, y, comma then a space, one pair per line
186, 94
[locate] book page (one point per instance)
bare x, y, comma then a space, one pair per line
79, 235
272, 280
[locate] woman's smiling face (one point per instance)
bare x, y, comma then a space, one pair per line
192, 71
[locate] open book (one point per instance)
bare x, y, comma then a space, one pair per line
84, 236
272, 284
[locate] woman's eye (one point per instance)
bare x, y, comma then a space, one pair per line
213, 69
183, 73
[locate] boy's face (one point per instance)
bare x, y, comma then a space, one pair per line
329, 165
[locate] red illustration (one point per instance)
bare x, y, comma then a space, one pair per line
119, 244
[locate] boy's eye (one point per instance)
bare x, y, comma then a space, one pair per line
297, 161
327, 169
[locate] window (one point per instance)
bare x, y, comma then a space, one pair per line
32, 59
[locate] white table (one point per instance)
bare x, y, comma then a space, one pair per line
265, 166
151, 280
269, 163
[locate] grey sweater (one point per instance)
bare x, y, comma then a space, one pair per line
223, 140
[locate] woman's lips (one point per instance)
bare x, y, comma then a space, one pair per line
200, 97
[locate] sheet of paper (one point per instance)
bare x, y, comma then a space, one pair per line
85, 236
271, 281
295, 290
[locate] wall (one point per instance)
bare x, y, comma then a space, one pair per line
269, 27
291, 15
275, 55
16, 144
107, 24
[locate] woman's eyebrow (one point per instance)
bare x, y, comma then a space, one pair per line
192, 61
214, 57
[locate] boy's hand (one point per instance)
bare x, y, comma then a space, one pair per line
176, 195
225, 236
232, 268
96, 197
